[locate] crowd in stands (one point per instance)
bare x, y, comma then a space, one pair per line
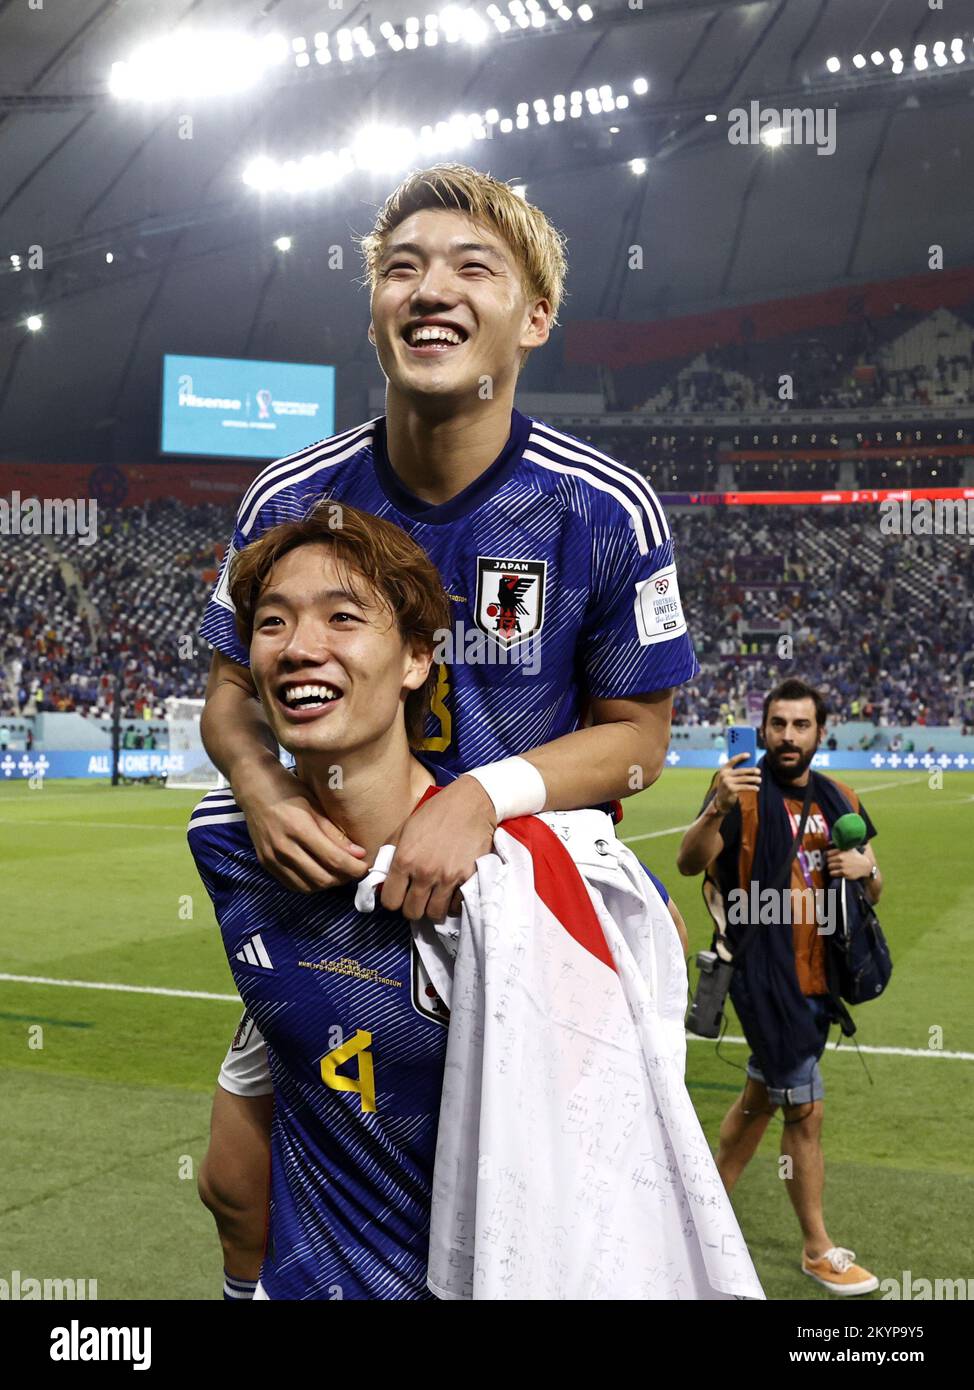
861, 365
884, 624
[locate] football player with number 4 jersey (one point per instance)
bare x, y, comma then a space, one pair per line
567, 634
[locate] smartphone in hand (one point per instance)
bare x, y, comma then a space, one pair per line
743, 738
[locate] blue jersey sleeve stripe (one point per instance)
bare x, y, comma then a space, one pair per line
607, 484
639, 486
296, 469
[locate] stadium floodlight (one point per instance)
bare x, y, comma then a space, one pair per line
109, 257
34, 323
275, 48
383, 149
640, 86
193, 65
321, 39
622, 102
877, 58
858, 61
299, 45
302, 60
920, 63
773, 137
833, 64
897, 66
585, 13
605, 92
14, 261
506, 125
386, 29
896, 55
283, 243
638, 166
920, 50
564, 12
711, 116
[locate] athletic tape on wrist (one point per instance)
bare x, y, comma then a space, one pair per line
514, 785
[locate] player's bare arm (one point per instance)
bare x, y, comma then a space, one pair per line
438, 846
294, 841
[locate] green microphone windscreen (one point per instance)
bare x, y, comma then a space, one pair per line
849, 831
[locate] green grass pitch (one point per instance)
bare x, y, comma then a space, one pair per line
106, 1122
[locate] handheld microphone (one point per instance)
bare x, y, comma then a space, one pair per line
849, 831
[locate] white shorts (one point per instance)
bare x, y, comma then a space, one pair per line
245, 1070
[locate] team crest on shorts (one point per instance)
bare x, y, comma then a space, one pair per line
510, 599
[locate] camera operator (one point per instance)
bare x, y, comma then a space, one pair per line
779, 984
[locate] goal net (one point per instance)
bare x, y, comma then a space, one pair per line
187, 764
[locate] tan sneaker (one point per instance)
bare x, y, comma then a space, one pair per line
838, 1272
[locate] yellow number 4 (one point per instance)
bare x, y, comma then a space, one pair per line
364, 1083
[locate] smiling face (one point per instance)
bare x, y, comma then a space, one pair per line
332, 671
449, 307
791, 736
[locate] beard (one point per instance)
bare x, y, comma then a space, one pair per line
790, 771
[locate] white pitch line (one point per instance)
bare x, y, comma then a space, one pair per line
235, 999
851, 1049
121, 989
679, 829
90, 824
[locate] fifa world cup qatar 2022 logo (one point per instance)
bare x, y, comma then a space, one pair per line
264, 399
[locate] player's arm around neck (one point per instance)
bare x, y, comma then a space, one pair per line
621, 752
293, 840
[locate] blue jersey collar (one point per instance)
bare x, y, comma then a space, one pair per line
489, 482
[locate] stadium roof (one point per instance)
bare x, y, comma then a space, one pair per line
86, 174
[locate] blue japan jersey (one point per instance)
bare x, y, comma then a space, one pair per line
559, 565
356, 1041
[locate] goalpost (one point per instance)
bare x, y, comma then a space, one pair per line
187, 764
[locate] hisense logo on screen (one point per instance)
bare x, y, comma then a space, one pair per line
234, 408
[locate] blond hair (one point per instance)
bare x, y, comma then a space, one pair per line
538, 247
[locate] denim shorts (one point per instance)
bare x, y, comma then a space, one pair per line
804, 1083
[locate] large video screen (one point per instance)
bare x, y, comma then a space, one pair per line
233, 408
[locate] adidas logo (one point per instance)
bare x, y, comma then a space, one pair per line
255, 953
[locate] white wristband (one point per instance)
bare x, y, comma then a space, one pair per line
514, 785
